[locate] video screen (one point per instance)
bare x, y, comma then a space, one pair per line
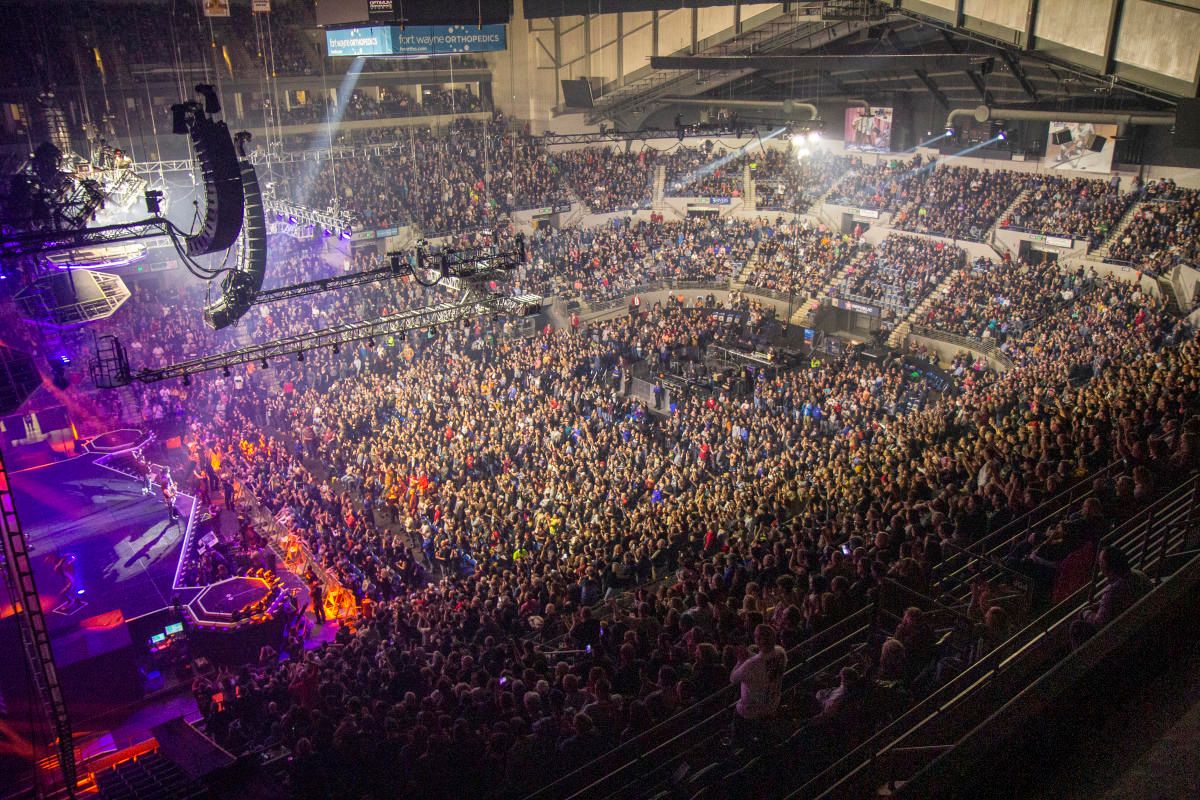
1083, 146
869, 131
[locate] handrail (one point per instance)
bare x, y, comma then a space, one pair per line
726, 693
968, 342
1144, 526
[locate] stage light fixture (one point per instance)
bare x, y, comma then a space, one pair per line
187, 379
265, 364
300, 356
949, 132
798, 140
225, 372
328, 233
346, 233
291, 219
814, 137
1003, 135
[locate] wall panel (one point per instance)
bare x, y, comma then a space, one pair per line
1159, 38
674, 31
1006, 13
712, 21
1081, 24
638, 49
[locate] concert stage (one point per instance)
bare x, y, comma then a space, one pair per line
103, 554
124, 548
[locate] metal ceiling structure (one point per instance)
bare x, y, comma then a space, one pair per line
895, 50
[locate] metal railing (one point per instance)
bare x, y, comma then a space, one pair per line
1152, 539
965, 342
638, 757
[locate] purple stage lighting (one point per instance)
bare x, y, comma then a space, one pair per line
346, 234
292, 220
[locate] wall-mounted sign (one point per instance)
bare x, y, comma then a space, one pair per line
416, 40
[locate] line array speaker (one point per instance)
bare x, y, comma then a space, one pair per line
240, 286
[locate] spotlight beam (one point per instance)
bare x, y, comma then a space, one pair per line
708, 169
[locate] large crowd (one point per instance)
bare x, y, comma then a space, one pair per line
784, 182
898, 273
1163, 231
464, 181
551, 569
608, 179
1077, 207
547, 566
611, 260
704, 171
993, 300
926, 197
798, 257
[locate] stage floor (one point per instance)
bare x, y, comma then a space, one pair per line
126, 550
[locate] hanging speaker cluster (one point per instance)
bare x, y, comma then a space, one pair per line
243, 283
223, 198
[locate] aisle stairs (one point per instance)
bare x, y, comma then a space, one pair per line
1118, 230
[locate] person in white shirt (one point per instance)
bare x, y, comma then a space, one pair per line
761, 679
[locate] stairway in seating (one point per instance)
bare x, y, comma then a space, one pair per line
1167, 288
1119, 229
738, 281
899, 335
805, 315
749, 190
657, 196
1024, 193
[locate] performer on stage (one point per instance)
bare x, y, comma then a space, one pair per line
145, 472
167, 485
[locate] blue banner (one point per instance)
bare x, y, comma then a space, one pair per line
438, 40
416, 40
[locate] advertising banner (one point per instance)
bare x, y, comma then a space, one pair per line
1082, 146
439, 40
869, 132
416, 40
216, 8
260, 6
374, 41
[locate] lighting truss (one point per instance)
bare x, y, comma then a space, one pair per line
27, 244
458, 270
391, 270
297, 214
35, 635
472, 304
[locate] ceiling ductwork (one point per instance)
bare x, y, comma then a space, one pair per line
788, 107
985, 113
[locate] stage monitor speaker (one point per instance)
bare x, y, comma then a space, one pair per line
19, 378
1061, 137
71, 297
1097, 143
224, 202
240, 286
1187, 122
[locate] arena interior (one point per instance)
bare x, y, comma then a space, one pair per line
581, 400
